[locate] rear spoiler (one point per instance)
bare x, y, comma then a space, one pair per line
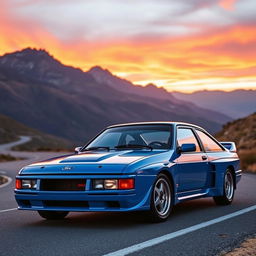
231, 146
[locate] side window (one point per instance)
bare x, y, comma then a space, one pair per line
208, 143
186, 135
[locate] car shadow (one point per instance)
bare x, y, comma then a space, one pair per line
197, 205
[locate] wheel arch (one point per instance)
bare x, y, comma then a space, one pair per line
232, 169
168, 174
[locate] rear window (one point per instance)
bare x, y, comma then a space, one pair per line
208, 143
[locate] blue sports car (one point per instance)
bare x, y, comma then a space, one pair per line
149, 166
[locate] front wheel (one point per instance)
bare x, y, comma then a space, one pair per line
161, 199
228, 190
53, 215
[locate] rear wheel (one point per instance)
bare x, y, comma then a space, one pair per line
53, 215
228, 190
161, 199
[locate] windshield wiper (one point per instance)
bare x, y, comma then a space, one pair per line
95, 148
133, 146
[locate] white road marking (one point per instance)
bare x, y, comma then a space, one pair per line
8, 210
164, 238
9, 180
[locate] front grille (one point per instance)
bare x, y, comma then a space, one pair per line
62, 185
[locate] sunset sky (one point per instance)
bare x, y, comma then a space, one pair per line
183, 45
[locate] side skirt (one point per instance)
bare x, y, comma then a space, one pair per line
193, 194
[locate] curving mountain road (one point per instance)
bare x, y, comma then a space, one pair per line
195, 228
7, 147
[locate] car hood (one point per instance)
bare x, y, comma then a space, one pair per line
91, 162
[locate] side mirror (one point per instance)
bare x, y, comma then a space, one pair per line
77, 149
188, 147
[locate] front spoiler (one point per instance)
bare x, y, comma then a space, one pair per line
93, 203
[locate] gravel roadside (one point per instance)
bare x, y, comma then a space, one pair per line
246, 248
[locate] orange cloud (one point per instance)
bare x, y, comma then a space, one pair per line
224, 58
227, 4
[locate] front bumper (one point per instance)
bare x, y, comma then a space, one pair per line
88, 200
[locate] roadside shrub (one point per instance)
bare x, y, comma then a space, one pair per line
248, 160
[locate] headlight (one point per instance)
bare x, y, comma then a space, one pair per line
113, 184
26, 184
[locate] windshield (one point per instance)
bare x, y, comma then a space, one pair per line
134, 136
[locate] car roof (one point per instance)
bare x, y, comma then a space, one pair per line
157, 123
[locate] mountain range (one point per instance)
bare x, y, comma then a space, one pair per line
236, 104
40, 92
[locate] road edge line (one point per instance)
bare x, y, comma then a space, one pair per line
164, 238
8, 210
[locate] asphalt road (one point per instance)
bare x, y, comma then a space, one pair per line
26, 233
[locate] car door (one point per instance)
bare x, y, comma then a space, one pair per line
192, 167
213, 151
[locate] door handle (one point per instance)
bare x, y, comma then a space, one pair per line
204, 157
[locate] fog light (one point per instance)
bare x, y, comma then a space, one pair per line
111, 184
98, 184
126, 184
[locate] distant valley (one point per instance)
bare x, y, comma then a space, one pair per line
236, 104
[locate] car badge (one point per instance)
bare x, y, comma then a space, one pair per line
66, 168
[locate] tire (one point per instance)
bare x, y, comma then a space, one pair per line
53, 215
161, 199
228, 190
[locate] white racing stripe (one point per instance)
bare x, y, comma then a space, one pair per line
8, 210
161, 239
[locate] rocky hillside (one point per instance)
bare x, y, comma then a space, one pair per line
243, 132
